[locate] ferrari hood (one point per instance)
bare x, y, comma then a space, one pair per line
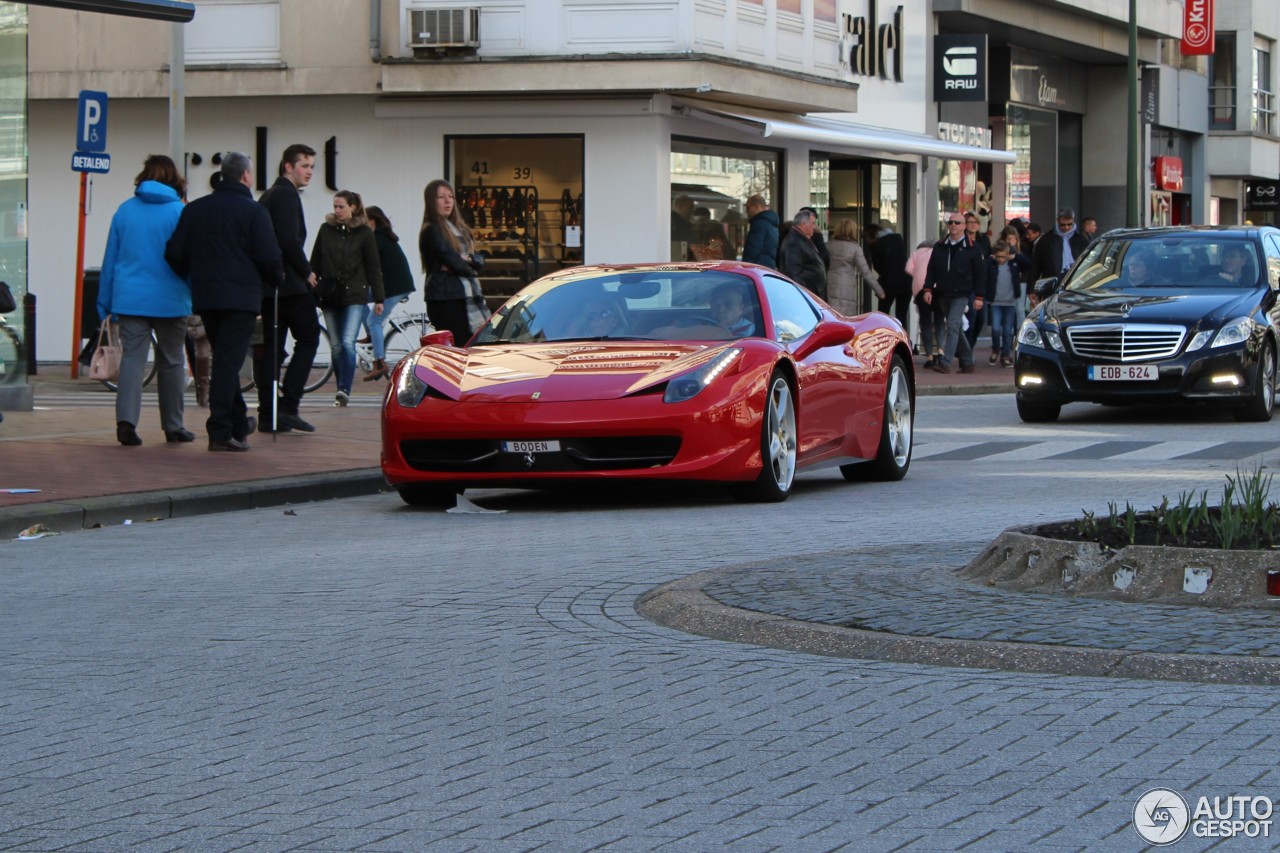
563, 372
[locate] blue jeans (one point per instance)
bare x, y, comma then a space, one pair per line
1002, 320
374, 323
344, 326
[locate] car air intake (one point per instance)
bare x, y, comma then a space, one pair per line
1126, 342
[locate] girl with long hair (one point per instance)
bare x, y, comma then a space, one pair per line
455, 301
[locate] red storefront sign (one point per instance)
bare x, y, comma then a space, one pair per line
1168, 173
1197, 27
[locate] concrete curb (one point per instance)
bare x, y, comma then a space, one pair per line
191, 501
683, 605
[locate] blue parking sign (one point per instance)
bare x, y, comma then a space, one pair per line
91, 122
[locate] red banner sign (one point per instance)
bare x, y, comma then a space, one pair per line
1168, 174
1197, 27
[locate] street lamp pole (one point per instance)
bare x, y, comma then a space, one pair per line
1134, 173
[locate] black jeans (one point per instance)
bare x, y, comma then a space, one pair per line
298, 318
898, 304
229, 333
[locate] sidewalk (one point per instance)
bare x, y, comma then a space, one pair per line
66, 448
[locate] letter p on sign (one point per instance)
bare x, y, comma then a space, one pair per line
91, 122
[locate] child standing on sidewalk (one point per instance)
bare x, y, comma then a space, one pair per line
1004, 289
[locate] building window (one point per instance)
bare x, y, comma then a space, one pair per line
239, 32
13, 186
1222, 83
1264, 105
708, 205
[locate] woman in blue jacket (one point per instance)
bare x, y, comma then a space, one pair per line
144, 294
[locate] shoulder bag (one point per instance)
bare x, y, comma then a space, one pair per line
7, 302
105, 366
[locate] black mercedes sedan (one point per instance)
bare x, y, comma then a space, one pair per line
1181, 314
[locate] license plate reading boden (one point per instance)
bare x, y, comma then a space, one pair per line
530, 447
1124, 372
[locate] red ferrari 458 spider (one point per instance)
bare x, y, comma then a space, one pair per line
721, 371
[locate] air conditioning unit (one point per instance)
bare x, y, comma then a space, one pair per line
444, 30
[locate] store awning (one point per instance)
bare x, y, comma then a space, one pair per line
842, 135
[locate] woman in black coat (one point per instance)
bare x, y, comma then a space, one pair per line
455, 302
345, 261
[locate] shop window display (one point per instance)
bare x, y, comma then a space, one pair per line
523, 198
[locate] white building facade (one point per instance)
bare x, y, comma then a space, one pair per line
568, 128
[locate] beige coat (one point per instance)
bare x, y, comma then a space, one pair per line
847, 261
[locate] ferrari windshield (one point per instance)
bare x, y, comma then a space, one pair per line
655, 305
1185, 261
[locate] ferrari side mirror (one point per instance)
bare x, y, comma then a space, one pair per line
437, 339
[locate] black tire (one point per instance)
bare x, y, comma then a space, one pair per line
1038, 413
1263, 404
429, 494
778, 445
897, 432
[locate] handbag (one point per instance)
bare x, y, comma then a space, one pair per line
7, 302
105, 366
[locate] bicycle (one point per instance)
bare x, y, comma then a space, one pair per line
403, 336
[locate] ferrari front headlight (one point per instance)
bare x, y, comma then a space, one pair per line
410, 389
691, 384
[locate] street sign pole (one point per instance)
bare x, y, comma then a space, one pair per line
75, 313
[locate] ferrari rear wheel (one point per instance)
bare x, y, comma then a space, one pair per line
428, 494
893, 457
778, 446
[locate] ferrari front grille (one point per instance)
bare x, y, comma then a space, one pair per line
1126, 341
481, 456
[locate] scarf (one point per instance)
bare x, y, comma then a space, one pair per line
478, 312
1067, 258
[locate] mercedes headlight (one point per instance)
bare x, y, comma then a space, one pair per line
688, 386
1033, 336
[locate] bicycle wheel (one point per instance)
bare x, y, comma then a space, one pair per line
150, 372
403, 338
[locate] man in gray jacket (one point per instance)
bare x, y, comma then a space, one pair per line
799, 258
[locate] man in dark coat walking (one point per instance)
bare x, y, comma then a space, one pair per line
956, 273
799, 259
297, 304
225, 247
1057, 250
888, 256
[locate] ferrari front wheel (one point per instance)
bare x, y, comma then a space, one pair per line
778, 446
893, 454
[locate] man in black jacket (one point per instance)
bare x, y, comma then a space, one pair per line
225, 247
888, 255
799, 258
1056, 251
956, 272
297, 305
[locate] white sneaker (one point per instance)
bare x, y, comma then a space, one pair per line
340, 399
